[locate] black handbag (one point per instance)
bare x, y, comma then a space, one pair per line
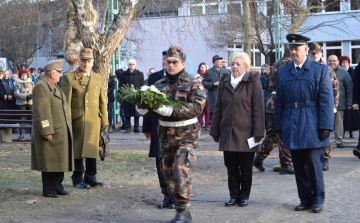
103, 144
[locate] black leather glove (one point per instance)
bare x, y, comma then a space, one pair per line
103, 128
324, 134
216, 138
29, 97
278, 133
257, 139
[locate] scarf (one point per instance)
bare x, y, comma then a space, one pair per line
202, 74
9, 82
174, 78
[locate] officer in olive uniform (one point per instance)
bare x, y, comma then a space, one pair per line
315, 53
84, 91
179, 130
51, 138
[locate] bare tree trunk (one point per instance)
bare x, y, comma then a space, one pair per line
247, 24
83, 31
299, 20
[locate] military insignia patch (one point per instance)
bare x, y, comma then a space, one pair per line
45, 123
293, 36
52, 87
77, 73
201, 88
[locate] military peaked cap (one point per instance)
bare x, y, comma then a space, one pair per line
54, 65
86, 54
296, 40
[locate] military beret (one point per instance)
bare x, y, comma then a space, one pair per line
54, 65
175, 53
315, 48
86, 54
296, 40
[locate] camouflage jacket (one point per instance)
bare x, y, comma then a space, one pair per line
185, 89
270, 104
335, 85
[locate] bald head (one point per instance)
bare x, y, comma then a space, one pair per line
333, 61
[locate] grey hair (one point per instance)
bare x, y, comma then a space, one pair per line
49, 72
132, 60
6, 71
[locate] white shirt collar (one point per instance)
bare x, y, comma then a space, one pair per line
300, 64
164, 73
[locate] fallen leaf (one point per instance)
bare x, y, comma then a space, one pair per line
120, 186
6, 168
25, 188
31, 201
107, 186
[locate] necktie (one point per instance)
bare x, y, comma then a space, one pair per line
297, 69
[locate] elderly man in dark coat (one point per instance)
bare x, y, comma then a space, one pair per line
211, 82
131, 77
150, 125
51, 139
304, 118
345, 100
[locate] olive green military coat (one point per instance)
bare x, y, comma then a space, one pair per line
88, 110
51, 116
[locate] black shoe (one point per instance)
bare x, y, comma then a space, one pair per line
137, 130
82, 186
302, 207
231, 202
51, 195
326, 165
286, 170
94, 183
258, 164
356, 152
182, 217
166, 204
316, 208
21, 138
113, 126
123, 128
128, 131
59, 192
243, 203
340, 145
172, 205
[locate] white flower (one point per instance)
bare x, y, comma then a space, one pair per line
144, 88
154, 89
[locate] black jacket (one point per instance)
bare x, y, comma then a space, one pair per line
111, 88
150, 124
356, 91
2, 95
135, 78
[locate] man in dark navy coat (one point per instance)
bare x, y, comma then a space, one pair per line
304, 118
150, 125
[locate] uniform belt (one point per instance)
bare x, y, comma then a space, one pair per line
274, 92
179, 123
300, 105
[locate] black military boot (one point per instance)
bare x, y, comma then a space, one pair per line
258, 164
284, 170
326, 165
356, 152
182, 217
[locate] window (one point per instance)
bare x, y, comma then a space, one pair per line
198, 7
336, 52
314, 3
270, 8
355, 5
253, 8
234, 7
257, 59
332, 48
332, 5
355, 52
333, 44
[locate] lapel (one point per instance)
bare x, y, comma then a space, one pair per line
57, 92
227, 83
93, 80
49, 83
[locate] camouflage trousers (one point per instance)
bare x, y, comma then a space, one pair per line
327, 151
178, 151
269, 143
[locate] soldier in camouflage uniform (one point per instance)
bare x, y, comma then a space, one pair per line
271, 139
315, 53
179, 130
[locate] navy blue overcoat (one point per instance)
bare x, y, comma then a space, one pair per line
304, 104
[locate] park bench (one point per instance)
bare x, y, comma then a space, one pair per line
11, 119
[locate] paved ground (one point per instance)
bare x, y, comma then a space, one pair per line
273, 197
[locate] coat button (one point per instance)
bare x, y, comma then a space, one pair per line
86, 94
83, 87
87, 108
87, 101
